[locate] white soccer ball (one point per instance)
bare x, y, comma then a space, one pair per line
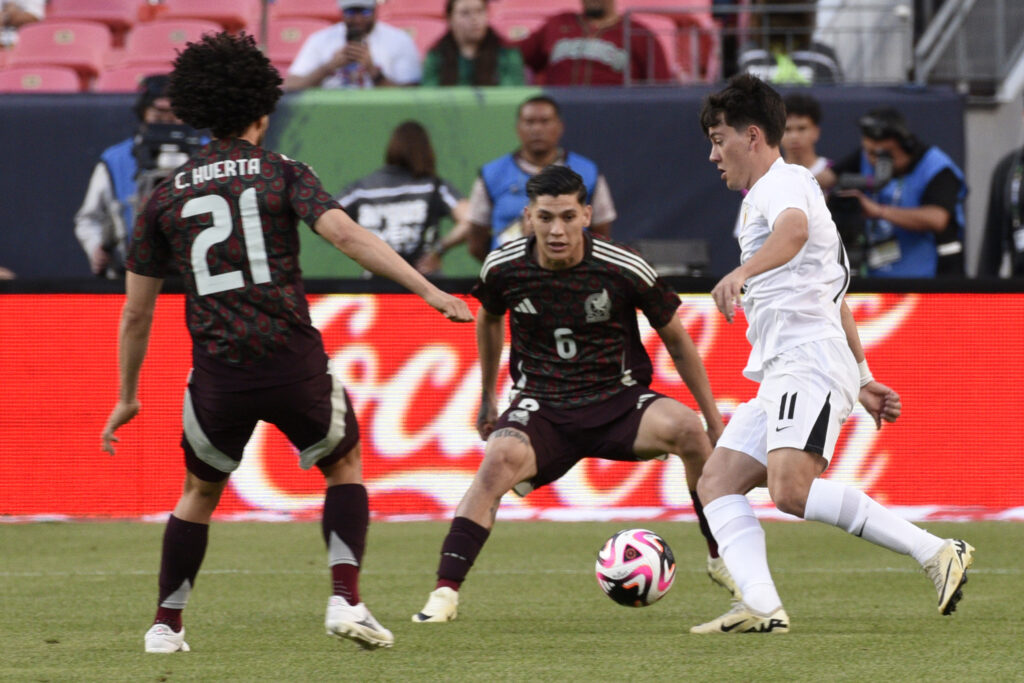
635, 567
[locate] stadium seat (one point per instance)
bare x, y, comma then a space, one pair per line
119, 15
425, 31
29, 79
79, 45
155, 43
124, 78
285, 35
664, 30
393, 9
544, 7
515, 24
327, 10
232, 15
698, 35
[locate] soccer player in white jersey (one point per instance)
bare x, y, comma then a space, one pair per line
807, 356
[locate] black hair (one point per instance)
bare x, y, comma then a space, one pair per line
539, 99
223, 82
887, 123
746, 101
151, 88
799, 104
410, 148
555, 181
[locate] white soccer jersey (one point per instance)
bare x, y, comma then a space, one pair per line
800, 300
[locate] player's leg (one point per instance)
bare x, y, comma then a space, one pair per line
508, 459
668, 426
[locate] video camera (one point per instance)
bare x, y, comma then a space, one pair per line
159, 148
846, 211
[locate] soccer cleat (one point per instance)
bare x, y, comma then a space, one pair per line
948, 571
742, 619
162, 638
356, 623
442, 605
719, 574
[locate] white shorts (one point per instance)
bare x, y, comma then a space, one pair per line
806, 394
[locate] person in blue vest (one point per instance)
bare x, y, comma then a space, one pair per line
108, 209
911, 197
498, 196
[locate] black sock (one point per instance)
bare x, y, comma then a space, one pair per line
458, 552
346, 517
183, 550
704, 528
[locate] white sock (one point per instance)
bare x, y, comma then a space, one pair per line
742, 547
835, 503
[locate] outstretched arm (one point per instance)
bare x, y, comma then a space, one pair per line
881, 402
490, 339
691, 369
133, 339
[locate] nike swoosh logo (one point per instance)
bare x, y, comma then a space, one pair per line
779, 429
726, 629
945, 584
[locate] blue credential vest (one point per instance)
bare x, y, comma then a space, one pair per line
505, 183
121, 164
918, 255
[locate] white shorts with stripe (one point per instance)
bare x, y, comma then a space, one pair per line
806, 394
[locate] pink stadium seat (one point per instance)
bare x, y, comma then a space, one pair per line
544, 7
28, 79
285, 35
697, 37
79, 45
233, 15
123, 78
156, 43
425, 31
327, 10
119, 15
664, 30
515, 24
393, 9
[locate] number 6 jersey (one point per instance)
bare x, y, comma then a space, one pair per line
575, 339
227, 222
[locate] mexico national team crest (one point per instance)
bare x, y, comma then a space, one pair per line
598, 307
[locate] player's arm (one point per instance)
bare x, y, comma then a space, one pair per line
789, 234
133, 339
490, 340
374, 254
881, 402
690, 367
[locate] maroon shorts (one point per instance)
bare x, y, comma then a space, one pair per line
561, 437
315, 414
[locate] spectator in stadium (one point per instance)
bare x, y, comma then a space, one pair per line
471, 52
580, 370
17, 13
498, 196
911, 196
806, 356
589, 48
228, 224
1002, 245
357, 52
803, 129
783, 49
404, 201
108, 210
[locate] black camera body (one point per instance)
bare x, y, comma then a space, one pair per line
159, 148
847, 213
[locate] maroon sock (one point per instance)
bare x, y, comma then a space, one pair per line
345, 521
458, 552
704, 528
183, 550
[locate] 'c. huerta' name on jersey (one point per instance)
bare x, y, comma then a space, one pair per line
229, 168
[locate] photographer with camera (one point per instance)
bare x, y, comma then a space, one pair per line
907, 217
126, 172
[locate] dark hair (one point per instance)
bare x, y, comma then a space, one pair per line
555, 181
223, 82
539, 99
151, 88
799, 104
746, 101
485, 64
885, 123
410, 148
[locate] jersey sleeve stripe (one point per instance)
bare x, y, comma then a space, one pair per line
498, 257
637, 264
627, 265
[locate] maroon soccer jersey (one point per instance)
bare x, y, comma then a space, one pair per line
227, 222
575, 339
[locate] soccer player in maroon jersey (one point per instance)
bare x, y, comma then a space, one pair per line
580, 369
227, 222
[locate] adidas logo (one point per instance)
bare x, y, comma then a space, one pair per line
525, 306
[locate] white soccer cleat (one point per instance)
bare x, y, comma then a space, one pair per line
719, 574
356, 623
162, 638
948, 571
742, 619
442, 605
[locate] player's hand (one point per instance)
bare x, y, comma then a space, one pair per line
486, 417
453, 308
727, 293
121, 415
881, 402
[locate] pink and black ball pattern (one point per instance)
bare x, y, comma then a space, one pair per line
635, 567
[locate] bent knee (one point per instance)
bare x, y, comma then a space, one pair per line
789, 499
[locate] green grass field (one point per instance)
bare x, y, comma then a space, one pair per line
76, 598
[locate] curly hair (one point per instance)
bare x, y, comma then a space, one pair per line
746, 101
223, 82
